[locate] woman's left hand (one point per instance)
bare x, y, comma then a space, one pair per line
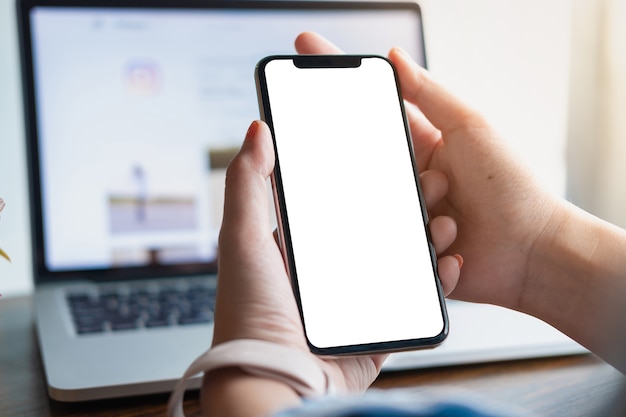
255, 298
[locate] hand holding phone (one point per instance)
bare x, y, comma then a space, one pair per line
351, 217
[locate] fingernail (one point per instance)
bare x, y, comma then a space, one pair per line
407, 57
459, 259
252, 129
402, 51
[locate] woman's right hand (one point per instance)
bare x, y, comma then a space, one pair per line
499, 208
522, 247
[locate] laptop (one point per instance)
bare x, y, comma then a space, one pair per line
133, 110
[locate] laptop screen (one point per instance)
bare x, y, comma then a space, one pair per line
134, 111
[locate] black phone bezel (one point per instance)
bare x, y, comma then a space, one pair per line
341, 61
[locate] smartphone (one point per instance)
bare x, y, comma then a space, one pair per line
351, 217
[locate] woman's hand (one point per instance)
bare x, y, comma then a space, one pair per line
499, 209
523, 248
255, 299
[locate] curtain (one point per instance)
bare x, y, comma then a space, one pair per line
597, 111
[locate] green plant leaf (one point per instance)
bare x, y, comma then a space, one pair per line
4, 255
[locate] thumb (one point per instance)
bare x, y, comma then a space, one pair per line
441, 107
245, 197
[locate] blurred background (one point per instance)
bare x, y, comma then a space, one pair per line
549, 75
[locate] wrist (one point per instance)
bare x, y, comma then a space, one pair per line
231, 392
270, 366
576, 278
558, 258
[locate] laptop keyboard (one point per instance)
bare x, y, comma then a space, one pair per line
119, 309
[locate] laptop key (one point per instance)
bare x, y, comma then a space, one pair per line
88, 324
87, 329
123, 324
157, 323
195, 319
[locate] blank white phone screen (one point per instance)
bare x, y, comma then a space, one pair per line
362, 260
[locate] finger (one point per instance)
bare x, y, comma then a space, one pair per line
443, 232
449, 272
440, 107
310, 43
246, 189
424, 135
434, 187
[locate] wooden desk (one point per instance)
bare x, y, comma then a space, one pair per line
568, 386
